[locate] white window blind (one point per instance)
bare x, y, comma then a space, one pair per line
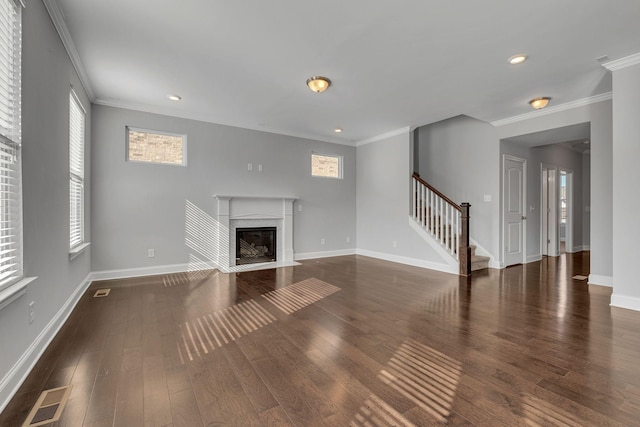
10, 135
76, 171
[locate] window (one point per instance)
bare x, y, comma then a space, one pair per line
156, 147
76, 171
326, 166
10, 140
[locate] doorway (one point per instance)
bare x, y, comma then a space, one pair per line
565, 213
556, 228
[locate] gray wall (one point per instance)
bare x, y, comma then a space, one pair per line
626, 176
46, 79
383, 193
460, 157
138, 206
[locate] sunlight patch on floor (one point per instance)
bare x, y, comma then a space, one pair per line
299, 295
425, 376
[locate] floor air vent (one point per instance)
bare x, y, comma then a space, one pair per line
100, 293
48, 408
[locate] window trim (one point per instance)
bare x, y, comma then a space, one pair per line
340, 159
156, 132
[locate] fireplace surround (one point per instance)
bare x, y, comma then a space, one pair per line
241, 212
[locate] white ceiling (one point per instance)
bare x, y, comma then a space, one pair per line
393, 63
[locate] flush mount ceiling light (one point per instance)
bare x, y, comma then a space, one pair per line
318, 84
175, 97
539, 103
517, 59
338, 130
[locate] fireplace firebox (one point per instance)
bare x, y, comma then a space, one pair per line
256, 244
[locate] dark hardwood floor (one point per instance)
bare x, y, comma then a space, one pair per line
346, 341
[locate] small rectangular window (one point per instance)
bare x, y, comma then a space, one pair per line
326, 166
156, 147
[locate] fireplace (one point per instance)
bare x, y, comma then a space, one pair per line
255, 245
238, 212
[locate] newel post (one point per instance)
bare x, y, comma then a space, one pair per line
465, 249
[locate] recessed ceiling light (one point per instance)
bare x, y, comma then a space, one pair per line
338, 130
539, 103
175, 97
318, 84
517, 59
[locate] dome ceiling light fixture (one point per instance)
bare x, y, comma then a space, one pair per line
174, 97
318, 84
338, 130
517, 59
539, 103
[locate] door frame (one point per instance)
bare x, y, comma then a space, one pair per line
569, 224
549, 208
506, 157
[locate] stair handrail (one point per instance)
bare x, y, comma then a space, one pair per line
429, 207
456, 206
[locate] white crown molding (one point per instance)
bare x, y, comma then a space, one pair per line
53, 7
555, 109
190, 115
618, 64
385, 135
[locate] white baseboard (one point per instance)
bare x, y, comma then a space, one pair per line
325, 254
533, 258
445, 268
450, 261
623, 301
600, 280
143, 271
12, 381
579, 249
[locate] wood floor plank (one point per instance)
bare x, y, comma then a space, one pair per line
184, 409
157, 407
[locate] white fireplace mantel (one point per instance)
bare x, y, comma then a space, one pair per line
254, 211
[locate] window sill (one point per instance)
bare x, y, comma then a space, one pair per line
15, 291
73, 253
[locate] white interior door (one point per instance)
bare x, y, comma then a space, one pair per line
513, 202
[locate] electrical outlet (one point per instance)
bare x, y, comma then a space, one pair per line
31, 311
322, 241
250, 166
151, 253
395, 244
259, 168
348, 239
299, 208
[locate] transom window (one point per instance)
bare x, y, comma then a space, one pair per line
156, 147
326, 165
